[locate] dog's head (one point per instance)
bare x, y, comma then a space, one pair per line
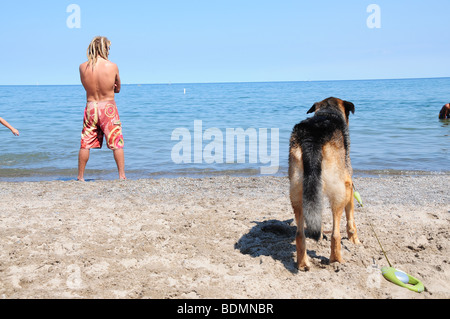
333, 103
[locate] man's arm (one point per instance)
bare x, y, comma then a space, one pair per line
117, 85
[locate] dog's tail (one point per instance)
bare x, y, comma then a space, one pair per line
312, 189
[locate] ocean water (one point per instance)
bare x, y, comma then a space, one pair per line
173, 130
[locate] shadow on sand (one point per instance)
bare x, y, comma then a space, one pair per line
275, 239
272, 238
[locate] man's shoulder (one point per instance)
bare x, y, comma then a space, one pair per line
83, 65
111, 64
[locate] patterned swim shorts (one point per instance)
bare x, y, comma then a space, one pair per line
102, 119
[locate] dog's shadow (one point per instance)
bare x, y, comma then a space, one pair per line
272, 238
276, 239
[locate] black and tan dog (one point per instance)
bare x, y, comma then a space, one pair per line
319, 164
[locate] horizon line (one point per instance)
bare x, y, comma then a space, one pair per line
242, 82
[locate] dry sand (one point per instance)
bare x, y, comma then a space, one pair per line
221, 237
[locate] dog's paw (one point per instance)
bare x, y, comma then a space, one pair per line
336, 259
354, 239
304, 265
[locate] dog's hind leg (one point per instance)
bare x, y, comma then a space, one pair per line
300, 240
296, 196
334, 186
349, 212
336, 235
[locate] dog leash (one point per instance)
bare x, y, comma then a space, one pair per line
392, 274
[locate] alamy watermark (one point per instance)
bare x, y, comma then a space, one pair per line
74, 280
373, 280
74, 19
230, 150
374, 20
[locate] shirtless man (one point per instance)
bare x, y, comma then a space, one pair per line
101, 80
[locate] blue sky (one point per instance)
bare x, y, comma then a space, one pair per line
226, 41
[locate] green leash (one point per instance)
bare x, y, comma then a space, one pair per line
395, 276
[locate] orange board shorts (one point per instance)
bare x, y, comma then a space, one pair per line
102, 119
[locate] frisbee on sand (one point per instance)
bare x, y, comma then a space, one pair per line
402, 279
395, 276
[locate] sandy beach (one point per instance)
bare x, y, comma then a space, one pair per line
221, 237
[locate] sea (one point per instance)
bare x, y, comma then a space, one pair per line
213, 129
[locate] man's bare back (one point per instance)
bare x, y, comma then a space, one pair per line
102, 82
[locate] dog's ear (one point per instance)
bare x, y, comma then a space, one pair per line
313, 109
349, 107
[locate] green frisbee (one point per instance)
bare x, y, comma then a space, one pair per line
402, 279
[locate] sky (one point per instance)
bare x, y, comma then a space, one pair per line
204, 41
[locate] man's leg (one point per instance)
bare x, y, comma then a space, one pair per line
83, 158
120, 161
